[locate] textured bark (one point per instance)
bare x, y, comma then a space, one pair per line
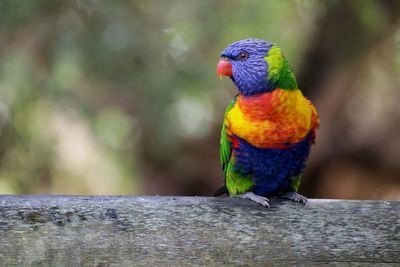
175, 231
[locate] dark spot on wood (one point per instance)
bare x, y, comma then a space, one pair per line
69, 215
21, 215
33, 217
111, 214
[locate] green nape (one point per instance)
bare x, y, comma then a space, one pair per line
235, 182
280, 73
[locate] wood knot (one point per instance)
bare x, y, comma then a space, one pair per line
111, 214
33, 217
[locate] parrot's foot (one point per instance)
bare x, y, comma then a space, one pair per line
295, 197
256, 198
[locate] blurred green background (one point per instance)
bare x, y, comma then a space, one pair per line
107, 97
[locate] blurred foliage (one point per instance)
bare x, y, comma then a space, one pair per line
100, 97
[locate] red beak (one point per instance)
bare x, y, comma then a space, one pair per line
224, 67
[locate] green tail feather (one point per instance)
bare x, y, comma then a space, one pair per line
235, 182
296, 183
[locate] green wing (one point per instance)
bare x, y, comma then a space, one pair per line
235, 182
225, 149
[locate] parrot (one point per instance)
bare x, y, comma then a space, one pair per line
268, 127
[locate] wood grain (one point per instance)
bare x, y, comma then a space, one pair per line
181, 231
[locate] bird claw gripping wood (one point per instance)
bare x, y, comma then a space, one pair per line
295, 197
263, 201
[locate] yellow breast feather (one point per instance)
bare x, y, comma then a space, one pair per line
271, 120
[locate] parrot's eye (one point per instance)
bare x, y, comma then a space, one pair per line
243, 55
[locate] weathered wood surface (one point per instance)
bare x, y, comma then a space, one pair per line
183, 231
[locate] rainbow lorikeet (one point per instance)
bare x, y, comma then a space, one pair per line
268, 128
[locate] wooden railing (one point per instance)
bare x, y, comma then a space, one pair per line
185, 231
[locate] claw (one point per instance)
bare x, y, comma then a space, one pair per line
295, 197
256, 198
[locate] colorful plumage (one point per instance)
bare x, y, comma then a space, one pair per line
269, 127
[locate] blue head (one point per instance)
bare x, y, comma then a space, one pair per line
248, 67
256, 66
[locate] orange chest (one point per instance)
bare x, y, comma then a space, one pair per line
272, 119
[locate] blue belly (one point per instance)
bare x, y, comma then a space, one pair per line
272, 170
